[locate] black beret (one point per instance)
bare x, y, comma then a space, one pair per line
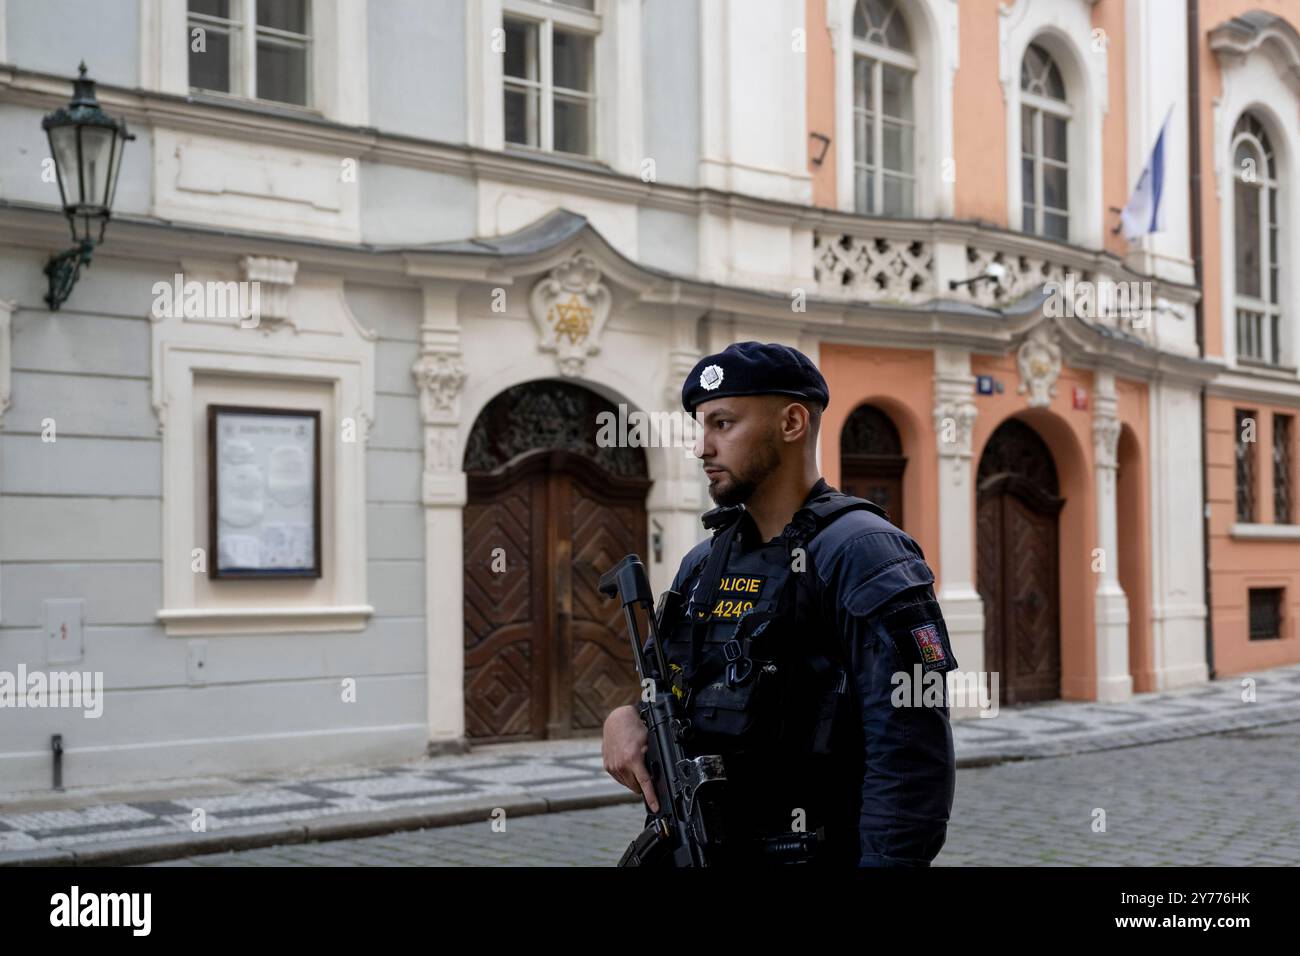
752, 368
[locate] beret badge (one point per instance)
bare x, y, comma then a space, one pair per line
711, 377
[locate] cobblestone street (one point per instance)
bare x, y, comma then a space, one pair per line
1231, 799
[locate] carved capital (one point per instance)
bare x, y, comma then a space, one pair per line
439, 376
1105, 441
954, 419
274, 278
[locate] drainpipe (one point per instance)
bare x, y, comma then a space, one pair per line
1194, 151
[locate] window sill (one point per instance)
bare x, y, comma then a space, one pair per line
567, 160
253, 105
190, 622
1266, 368
1266, 532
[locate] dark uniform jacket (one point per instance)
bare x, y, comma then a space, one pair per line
873, 583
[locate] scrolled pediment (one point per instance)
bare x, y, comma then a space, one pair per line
1235, 39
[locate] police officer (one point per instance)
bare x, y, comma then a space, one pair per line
802, 626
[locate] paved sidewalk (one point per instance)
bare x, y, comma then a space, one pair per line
1061, 727
110, 826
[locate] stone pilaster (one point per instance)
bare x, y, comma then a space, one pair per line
440, 374
1114, 682
954, 421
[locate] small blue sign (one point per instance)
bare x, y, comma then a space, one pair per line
984, 384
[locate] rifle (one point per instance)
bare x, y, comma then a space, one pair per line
688, 830
688, 826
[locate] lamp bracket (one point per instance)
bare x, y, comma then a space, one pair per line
63, 271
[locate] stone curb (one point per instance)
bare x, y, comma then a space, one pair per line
343, 826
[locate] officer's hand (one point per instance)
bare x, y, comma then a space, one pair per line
623, 748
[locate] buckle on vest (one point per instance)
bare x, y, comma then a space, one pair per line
720, 516
739, 667
738, 671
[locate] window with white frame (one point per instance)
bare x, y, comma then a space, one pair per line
1255, 242
884, 123
260, 49
1044, 146
549, 74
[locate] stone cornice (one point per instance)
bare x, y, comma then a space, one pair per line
292, 128
28, 225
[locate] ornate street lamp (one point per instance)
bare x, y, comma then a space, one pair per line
86, 144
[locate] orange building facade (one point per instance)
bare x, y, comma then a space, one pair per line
1051, 409
1249, 55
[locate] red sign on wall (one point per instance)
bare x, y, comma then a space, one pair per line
1080, 398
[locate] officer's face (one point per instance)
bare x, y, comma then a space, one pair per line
739, 444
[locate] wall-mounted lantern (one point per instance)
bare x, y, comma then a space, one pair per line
86, 144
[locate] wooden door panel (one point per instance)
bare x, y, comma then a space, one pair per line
500, 611
602, 678
1016, 576
601, 669
1030, 550
493, 599
545, 652
988, 577
498, 691
1017, 545
883, 490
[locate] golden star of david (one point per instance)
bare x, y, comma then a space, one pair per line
571, 318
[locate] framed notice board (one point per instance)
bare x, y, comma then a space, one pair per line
263, 492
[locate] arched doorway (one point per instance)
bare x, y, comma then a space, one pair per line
1017, 570
871, 460
548, 511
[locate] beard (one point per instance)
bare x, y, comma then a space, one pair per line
736, 487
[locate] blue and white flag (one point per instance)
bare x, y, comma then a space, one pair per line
1143, 213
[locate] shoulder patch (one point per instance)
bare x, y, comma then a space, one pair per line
914, 623
930, 644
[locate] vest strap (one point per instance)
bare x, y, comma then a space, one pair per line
809, 520
708, 585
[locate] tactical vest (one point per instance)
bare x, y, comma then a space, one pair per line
765, 681
754, 659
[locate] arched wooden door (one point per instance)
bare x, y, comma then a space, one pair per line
545, 654
871, 460
1017, 563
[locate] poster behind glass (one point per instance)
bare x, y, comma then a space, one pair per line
263, 492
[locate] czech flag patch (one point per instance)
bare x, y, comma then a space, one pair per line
930, 644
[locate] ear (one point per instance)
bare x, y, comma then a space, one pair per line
795, 422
